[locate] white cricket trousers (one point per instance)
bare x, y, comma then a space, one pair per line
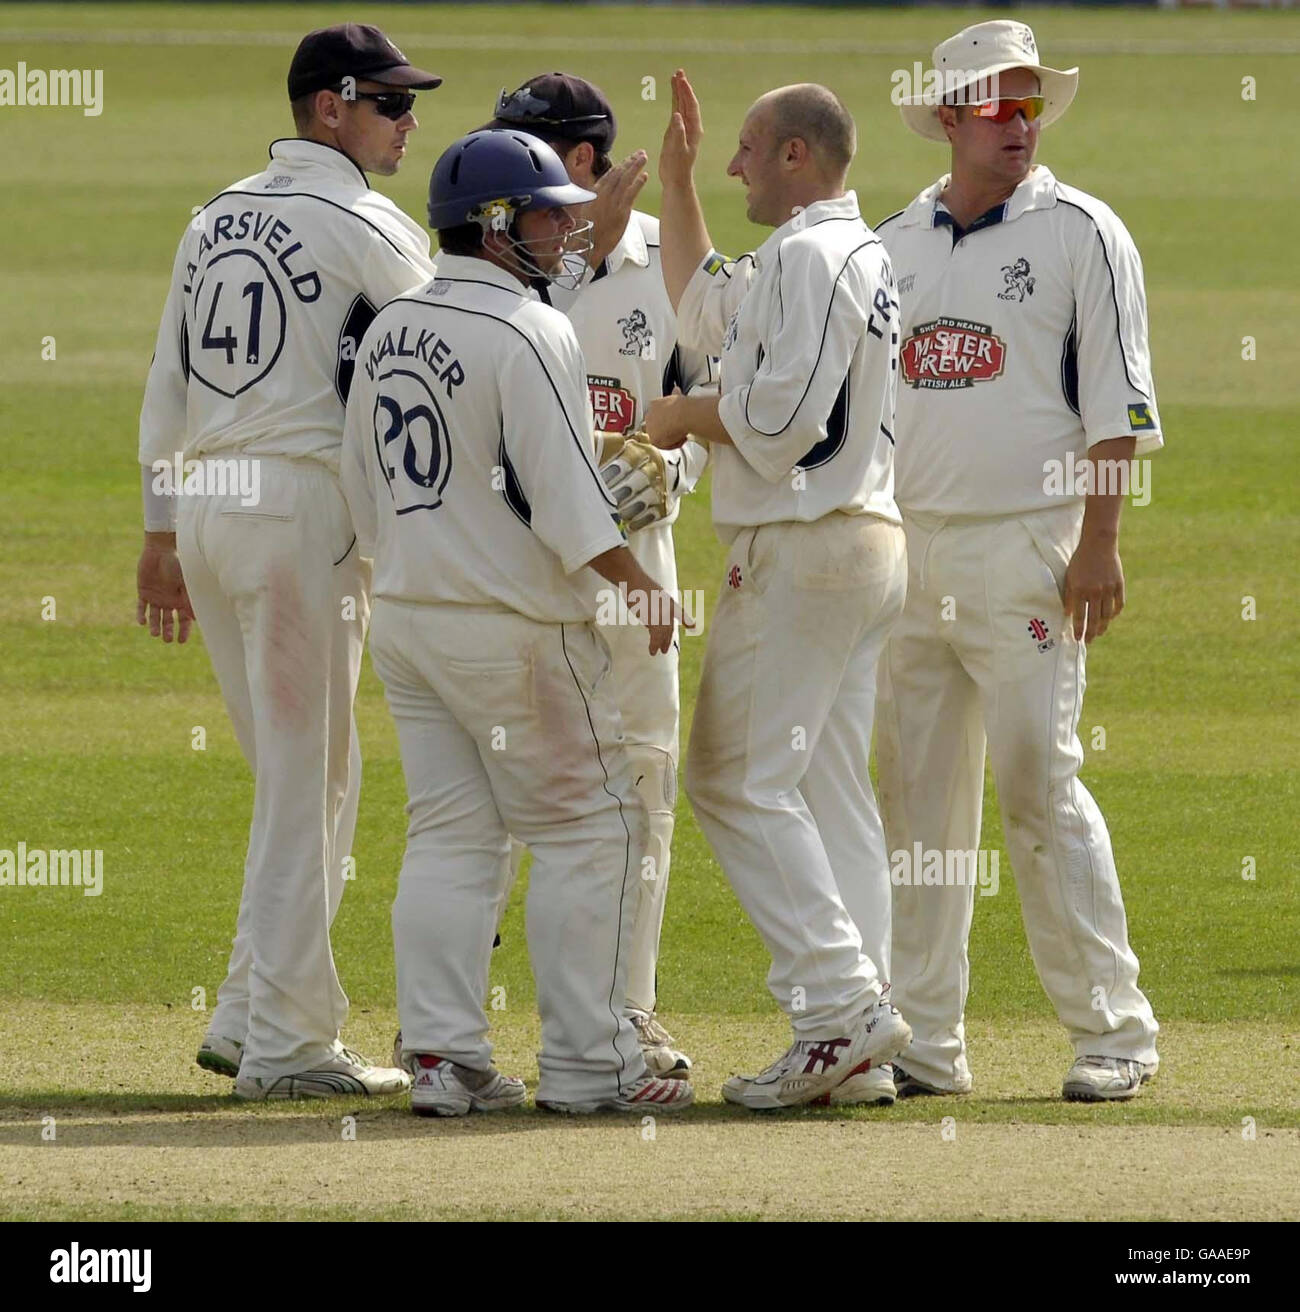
647, 690
776, 768
507, 726
281, 597
983, 655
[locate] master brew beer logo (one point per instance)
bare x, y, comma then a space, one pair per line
948, 353
612, 405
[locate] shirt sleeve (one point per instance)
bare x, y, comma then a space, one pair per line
825, 308
711, 298
163, 414
546, 430
1115, 389
356, 463
699, 378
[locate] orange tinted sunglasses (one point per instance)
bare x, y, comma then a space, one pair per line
1003, 111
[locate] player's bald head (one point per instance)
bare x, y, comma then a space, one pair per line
814, 114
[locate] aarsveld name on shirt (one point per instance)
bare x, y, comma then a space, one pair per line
30, 88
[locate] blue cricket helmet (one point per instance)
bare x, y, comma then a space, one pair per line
491, 175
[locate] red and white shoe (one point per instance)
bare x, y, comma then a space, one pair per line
809, 1068
648, 1094
867, 1086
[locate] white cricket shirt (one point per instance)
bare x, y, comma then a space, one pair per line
467, 452
1024, 342
274, 284
808, 330
628, 334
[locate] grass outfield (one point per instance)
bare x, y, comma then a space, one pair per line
1198, 705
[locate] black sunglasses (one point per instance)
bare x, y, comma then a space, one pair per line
391, 104
523, 107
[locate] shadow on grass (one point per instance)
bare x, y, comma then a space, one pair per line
202, 1121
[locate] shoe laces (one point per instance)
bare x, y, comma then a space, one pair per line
786, 1061
649, 1030
1102, 1063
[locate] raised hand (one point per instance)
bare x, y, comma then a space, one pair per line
681, 145
610, 211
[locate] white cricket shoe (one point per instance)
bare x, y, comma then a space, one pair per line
347, 1075
442, 1088
810, 1067
219, 1055
1106, 1079
867, 1085
908, 1086
661, 1058
648, 1094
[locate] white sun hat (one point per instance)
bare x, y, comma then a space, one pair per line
973, 57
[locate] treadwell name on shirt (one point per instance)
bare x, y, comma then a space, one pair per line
613, 407
947, 353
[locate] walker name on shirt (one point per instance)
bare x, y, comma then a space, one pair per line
947, 353
423, 345
612, 406
265, 230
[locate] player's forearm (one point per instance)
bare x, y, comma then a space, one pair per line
669, 420
684, 238
1105, 503
701, 420
621, 568
159, 507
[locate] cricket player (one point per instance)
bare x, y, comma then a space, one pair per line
470, 468
274, 284
1024, 355
627, 331
803, 499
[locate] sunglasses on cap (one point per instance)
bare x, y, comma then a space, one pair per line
523, 107
1003, 111
391, 104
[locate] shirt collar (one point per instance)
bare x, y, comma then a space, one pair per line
299, 153
1036, 192
842, 207
470, 268
631, 246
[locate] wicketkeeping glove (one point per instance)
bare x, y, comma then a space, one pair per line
642, 480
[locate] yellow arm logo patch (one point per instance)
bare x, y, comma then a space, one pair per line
1139, 417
